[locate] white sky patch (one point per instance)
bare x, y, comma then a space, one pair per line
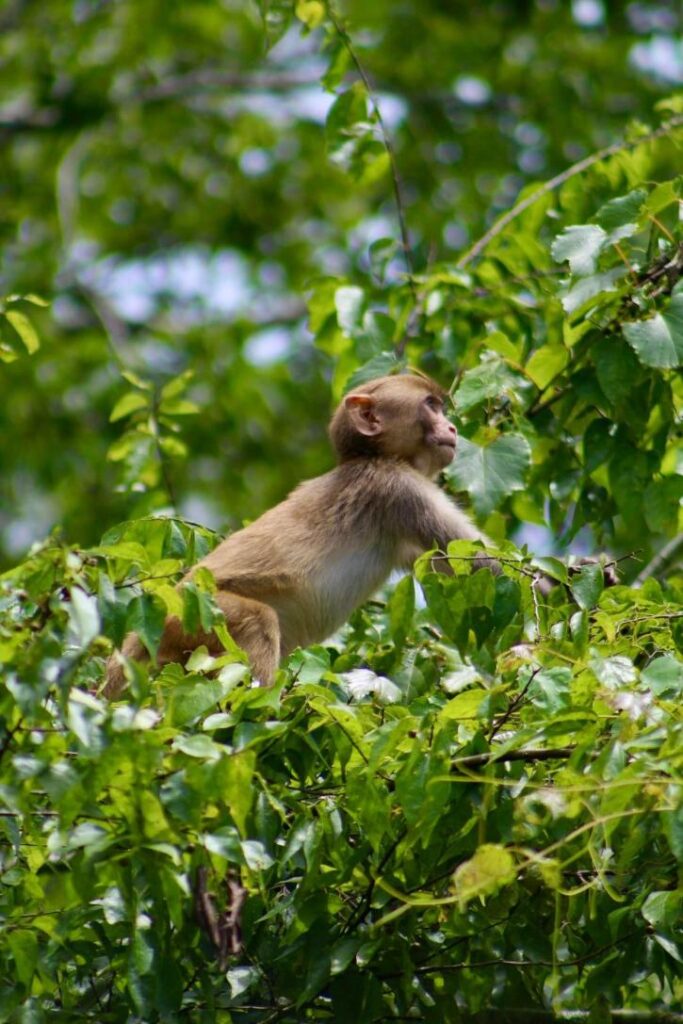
472, 90
661, 57
588, 13
218, 282
268, 346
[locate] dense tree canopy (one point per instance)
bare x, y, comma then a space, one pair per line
216, 217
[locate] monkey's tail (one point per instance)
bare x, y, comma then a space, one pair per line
115, 673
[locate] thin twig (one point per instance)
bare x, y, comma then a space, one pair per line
391, 153
549, 186
512, 707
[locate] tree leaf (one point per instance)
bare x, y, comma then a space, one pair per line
492, 379
491, 867
621, 210
379, 366
587, 584
401, 608
23, 945
489, 474
664, 676
580, 244
658, 341
546, 363
131, 402
146, 617
25, 329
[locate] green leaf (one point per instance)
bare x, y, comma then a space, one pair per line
658, 341
617, 368
131, 402
663, 909
550, 690
464, 705
25, 329
146, 617
401, 608
673, 830
136, 380
492, 379
199, 609
581, 245
310, 12
587, 584
379, 366
177, 386
23, 946
200, 746
546, 363
587, 289
662, 195
613, 672
490, 474
348, 109
621, 210
189, 701
178, 407
664, 676
662, 503
35, 300
378, 329
491, 868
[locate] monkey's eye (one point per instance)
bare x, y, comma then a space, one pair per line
434, 403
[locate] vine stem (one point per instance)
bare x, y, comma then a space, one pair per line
391, 153
549, 186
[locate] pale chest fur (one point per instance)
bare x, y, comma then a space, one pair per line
329, 596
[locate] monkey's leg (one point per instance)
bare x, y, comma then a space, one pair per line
255, 627
132, 647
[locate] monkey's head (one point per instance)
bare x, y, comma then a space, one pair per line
401, 416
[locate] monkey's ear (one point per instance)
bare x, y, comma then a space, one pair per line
363, 415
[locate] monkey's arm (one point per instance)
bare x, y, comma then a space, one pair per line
432, 520
424, 517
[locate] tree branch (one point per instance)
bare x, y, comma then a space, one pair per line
667, 558
549, 186
542, 754
391, 153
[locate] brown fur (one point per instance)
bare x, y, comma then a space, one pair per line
295, 574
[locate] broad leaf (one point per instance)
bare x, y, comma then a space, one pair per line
489, 474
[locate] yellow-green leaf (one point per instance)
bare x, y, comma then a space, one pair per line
25, 329
491, 867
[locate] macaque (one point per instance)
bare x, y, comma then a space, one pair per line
294, 575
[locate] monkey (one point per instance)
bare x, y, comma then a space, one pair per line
295, 574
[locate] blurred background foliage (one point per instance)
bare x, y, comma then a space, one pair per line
166, 186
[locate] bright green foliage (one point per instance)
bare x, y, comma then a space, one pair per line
469, 799
499, 819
